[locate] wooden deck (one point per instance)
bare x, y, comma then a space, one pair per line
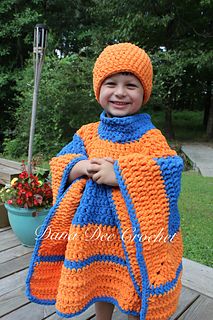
196, 301
8, 170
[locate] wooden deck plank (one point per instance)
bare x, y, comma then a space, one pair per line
14, 253
12, 266
10, 163
5, 171
7, 174
10, 242
7, 234
118, 315
12, 282
86, 315
5, 229
4, 220
202, 309
198, 277
187, 297
10, 169
13, 300
30, 311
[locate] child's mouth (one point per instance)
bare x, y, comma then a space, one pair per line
119, 104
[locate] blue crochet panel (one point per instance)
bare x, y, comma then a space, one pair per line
131, 128
75, 146
95, 206
171, 170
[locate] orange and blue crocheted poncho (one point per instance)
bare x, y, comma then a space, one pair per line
116, 244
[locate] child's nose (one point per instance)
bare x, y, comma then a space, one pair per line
120, 91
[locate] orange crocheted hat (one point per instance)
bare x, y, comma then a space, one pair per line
123, 57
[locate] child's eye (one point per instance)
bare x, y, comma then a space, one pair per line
131, 85
110, 84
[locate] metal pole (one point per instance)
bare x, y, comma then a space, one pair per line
40, 40
33, 119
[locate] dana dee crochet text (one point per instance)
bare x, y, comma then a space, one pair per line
97, 234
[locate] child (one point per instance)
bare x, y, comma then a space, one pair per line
113, 234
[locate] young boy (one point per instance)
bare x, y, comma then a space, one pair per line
115, 215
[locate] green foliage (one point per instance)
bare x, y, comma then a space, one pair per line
65, 103
65, 20
179, 76
177, 35
16, 21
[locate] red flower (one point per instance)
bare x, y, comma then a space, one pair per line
23, 175
35, 202
19, 186
38, 198
29, 194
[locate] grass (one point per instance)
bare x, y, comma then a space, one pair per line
195, 206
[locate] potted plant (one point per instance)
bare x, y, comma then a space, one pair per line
27, 199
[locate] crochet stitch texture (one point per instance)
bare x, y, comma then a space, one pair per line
116, 244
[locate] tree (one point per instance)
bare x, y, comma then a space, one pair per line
176, 34
65, 20
16, 19
182, 29
65, 103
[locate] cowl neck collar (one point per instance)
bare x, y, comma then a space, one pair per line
124, 129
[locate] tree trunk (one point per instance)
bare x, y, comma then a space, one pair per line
20, 58
209, 130
207, 104
169, 130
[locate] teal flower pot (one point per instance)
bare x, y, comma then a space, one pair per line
25, 223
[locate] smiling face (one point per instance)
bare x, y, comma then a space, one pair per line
121, 95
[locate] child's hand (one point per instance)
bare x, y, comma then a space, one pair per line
102, 171
109, 159
90, 169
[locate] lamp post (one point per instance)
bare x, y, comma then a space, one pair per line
40, 43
